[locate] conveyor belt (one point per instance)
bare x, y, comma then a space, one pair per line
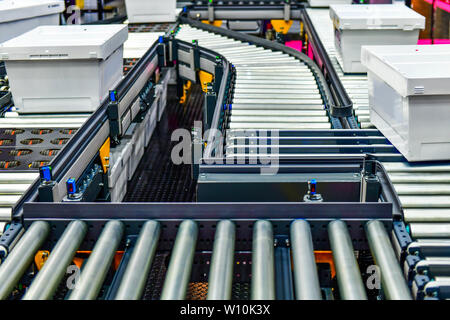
272, 90
423, 188
222, 268
355, 84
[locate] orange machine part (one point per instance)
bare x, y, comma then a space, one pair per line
41, 257
326, 257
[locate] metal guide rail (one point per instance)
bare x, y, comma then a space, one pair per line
304, 253
422, 189
355, 84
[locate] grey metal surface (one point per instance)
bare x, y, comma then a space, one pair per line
392, 281
348, 275
49, 277
221, 273
15, 265
94, 271
263, 263
306, 280
134, 279
180, 265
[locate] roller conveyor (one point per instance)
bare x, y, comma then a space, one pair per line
221, 253
212, 266
259, 76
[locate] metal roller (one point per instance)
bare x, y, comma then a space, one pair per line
220, 279
306, 280
133, 282
277, 102
263, 263
419, 177
280, 95
426, 215
407, 167
392, 280
97, 266
422, 189
49, 277
275, 86
429, 230
279, 119
349, 278
261, 107
287, 113
21, 256
430, 247
18, 177
425, 201
269, 126
180, 266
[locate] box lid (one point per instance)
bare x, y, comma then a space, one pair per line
65, 42
376, 16
411, 70
11, 10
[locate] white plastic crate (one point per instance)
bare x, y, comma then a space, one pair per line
375, 24
54, 69
409, 97
326, 3
140, 11
139, 43
20, 16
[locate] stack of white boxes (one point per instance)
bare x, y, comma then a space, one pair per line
375, 24
409, 92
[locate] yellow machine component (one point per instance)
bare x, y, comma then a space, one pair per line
79, 3
205, 78
281, 26
326, 257
186, 89
215, 23
104, 154
40, 258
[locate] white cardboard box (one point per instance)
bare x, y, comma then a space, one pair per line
140, 11
20, 16
375, 24
326, 3
54, 69
409, 97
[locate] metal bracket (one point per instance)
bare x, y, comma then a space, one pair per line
210, 12
287, 11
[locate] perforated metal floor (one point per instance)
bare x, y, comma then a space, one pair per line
157, 179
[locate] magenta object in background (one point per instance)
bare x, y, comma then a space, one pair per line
443, 5
310, 52
294, 44
435, 41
